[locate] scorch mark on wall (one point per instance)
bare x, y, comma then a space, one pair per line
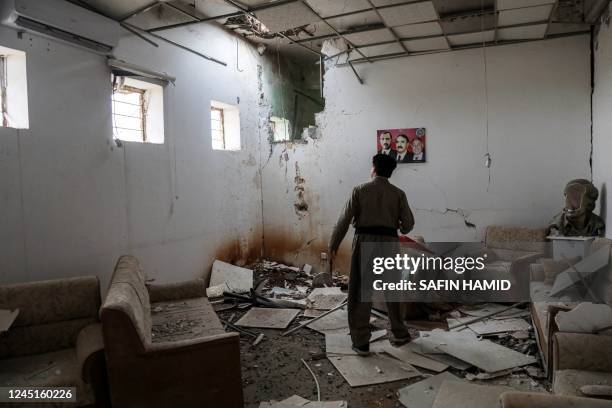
301, 206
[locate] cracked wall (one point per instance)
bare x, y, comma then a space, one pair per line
538, 121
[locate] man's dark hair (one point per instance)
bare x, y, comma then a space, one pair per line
383, 165
403, 136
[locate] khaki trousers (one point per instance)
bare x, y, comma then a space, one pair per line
361, 280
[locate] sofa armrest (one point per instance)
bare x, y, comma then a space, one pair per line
515, 399
581, 351
176, 291
184, 346
89, 342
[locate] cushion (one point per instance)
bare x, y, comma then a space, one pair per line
53, 300
56, 369
569, 382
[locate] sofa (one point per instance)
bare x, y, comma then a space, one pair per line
545, 308
56, 339
167, 350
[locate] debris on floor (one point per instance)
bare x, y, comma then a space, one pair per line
423, 393
299, 402
228, 277
458, 394
268, 318
491, 349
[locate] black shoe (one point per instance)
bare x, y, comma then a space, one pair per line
399, 342
362, 351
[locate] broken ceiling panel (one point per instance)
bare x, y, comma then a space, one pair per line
564, 28
252, 3
160, 16
370, 37
286, 16
418, 30
472, 38
409, 13
427, 44
214, 8
454, 7
117, 8
327, 8
524, 15
531, 32
513, 4
378, 50
468, 24
354, 21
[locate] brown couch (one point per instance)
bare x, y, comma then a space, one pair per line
580, 359
179, 355
56, 339
544, 308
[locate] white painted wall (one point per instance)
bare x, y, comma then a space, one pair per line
602, 120
71, 202
539, 138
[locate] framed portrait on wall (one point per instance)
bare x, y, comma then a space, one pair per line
404, 145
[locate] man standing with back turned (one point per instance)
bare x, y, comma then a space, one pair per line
377, 209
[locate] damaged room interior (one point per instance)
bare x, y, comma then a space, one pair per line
305, 203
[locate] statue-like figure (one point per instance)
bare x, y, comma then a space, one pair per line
577, 218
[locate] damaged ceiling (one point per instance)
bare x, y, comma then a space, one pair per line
367, 29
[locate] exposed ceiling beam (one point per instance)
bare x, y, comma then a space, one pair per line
457, 48
332, 27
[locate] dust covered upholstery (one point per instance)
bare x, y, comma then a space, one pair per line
56, 338
51, 314
186, 367
516, 238
580, 359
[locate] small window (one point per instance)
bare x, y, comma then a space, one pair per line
138, 113
224, 126
13, 89
280, 129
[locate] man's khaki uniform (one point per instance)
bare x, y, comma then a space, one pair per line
376, 209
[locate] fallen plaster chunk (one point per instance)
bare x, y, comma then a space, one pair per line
405, 354
229, 277
586, 318
326, 298
485, 327
374, 369
484, 354
296, 401
423, 393
458, 394
268, 318
488, 308
340, 344
307, 269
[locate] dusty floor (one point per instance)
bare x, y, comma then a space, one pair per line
272, 370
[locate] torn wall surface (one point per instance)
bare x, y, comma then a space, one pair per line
538, 109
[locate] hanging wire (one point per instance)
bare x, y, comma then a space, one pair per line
488, 158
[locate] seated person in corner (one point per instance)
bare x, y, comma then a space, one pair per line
377, 209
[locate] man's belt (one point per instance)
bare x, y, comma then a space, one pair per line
383, 231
